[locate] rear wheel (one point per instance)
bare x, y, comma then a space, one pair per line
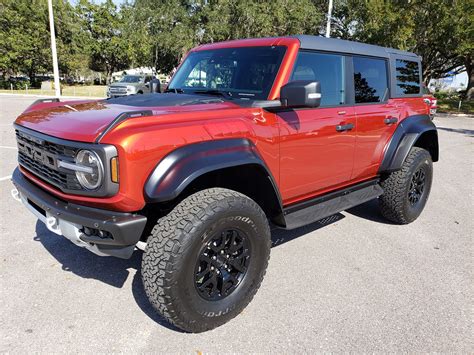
406, 191
205, 260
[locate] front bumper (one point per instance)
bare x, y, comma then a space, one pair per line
108, 233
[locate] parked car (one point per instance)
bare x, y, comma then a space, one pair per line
130, 85
285, 131
430, 100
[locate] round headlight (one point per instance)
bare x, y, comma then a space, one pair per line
91, 178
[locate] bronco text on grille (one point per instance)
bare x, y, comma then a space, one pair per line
40, 157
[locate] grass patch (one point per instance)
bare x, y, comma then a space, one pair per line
79, 90
452, 106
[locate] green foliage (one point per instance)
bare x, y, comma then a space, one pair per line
103, 36
100, 36
440, 31
24, 36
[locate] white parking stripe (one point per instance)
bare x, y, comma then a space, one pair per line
6, 178
5, 147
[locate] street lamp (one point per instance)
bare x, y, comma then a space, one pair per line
328, 24
53, 49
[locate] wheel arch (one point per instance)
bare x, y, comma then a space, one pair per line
234, 164
413, 131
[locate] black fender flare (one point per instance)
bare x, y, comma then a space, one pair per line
182, 166
404, 138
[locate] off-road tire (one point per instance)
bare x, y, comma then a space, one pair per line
394, 202
175, 244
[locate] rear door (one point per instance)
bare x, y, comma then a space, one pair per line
315, 153
376, 114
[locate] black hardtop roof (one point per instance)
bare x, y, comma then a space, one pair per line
351, 47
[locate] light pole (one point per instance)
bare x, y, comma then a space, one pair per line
328, 25
53, 49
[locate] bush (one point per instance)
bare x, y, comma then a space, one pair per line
16, 84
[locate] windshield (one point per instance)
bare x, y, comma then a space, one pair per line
131, 79
244, 72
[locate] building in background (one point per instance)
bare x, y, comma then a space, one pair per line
453, 83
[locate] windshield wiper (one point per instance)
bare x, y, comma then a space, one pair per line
226, 94
176, 91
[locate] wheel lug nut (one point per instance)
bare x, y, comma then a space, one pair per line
214, 258
222, 251
212, 267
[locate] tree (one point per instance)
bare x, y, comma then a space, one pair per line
433, 29
24, 37
103, 28
176, 26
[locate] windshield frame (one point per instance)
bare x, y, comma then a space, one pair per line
229, 93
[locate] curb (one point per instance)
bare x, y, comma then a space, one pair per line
461, 115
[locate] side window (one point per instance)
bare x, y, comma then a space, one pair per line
408, 77
328, 69
370, 80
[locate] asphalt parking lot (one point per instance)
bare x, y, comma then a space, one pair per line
355, 283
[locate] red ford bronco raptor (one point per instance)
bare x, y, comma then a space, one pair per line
283, 130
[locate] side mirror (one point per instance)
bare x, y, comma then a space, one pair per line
301, 93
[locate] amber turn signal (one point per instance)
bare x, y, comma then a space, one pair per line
114, 169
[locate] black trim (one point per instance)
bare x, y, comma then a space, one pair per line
403, 139
122, 117
183, 165
320, 207
49, 99
125, 228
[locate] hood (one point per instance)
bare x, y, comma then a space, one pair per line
85, 121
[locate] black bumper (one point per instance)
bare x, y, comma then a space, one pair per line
125, 228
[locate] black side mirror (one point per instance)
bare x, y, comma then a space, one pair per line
301, 93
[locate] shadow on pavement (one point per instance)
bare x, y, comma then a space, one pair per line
467, 132
114, 271
110, 270
370, 211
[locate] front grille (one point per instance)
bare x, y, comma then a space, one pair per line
40, 158
118, 90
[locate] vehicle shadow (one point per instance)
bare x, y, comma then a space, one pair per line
369, 210
114, 271
467, 132
110, 270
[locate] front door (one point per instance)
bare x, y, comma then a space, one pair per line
317, 145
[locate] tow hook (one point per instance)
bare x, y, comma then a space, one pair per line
16, 195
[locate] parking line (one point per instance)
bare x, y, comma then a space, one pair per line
5, 147
6, 178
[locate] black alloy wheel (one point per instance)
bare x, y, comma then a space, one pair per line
222, 264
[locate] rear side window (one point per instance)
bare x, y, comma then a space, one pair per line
370, 80
408, 77
328, 69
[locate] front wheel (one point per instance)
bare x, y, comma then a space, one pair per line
205, 260
406, 191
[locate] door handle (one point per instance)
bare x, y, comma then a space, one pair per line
390, 120
344, 127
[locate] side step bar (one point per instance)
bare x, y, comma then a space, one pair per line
324, 206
